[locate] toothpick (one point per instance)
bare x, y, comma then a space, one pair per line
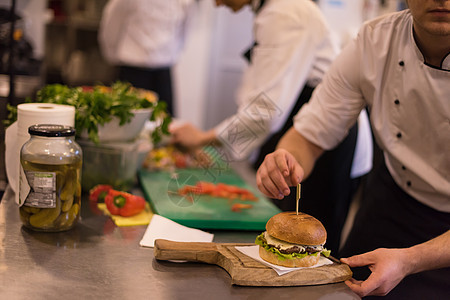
299, 187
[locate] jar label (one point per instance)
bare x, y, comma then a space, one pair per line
24, 188
41, 187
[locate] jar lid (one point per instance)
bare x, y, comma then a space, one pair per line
51, 130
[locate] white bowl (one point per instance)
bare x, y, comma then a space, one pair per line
113, 132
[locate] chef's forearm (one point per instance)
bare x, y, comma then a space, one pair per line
210, 138
305, 152
433, 254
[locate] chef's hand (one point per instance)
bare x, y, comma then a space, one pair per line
388, 266
277, 173
188, 136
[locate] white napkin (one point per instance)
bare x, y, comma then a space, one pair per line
163, 228
253, 252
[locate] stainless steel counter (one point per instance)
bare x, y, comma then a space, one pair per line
97, 260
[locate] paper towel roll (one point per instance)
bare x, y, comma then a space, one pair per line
17, 134
43, 113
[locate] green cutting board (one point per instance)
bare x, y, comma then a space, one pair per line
204, 211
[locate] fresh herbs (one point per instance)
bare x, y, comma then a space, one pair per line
97, 105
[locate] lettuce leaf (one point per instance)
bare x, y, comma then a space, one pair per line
261, 241
326, 252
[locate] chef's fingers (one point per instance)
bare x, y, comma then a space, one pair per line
280, 162
296, 172
361, 288
352, 282
269, 189
355, 286
180, 128
289, 167
267, 185
174, 135
270, 180
175, 124
359, 260
374, 285
278, 170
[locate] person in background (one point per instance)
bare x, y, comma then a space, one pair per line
144, 38
293, 50
399, 66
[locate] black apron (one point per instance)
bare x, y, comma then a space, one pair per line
390, 218
158, 80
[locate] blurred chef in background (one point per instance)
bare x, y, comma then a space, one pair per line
144, 38
293, 50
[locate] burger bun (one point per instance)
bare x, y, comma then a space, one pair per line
307, 261
301, 229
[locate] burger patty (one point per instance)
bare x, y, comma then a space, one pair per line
295, 248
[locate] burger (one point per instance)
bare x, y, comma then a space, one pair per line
292, 240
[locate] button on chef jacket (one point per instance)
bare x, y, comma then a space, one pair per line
144, 33
408, 100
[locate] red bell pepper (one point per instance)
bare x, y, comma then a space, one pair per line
124, 204
98, 192
237, 207
221, 190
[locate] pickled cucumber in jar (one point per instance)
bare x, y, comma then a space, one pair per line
50, 184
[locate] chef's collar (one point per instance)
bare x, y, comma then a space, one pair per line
445, 64
257, 4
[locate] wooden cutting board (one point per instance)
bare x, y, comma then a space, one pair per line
243, 269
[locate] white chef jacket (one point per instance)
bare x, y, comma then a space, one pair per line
294, 48
144, 33
409, 103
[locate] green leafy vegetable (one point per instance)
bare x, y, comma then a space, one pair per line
97, 105
261, 241
326, 252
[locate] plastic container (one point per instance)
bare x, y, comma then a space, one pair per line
112, 163
50, 178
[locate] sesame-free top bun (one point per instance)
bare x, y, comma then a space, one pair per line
307, 261
301, 229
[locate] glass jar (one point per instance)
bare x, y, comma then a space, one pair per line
50, 178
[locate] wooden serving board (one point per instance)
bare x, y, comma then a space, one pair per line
243, 269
